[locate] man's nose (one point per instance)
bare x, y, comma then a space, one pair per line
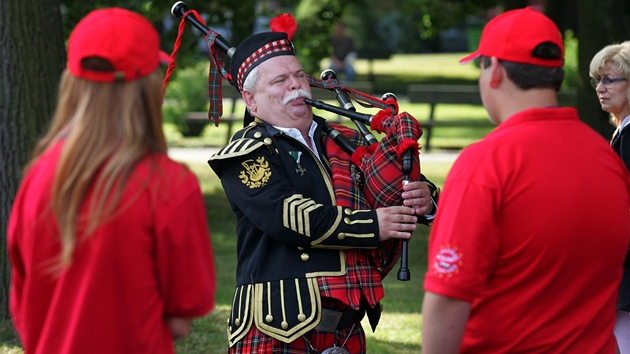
294, 83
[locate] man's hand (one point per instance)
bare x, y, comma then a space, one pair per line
179, 326
417, 196
395, 222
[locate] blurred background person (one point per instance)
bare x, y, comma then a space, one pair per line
343, 54
108, 240
610, 72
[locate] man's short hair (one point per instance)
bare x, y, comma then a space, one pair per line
528, 76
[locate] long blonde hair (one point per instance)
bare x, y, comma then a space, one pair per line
107, 128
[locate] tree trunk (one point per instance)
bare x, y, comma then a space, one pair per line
600, 23
32, 56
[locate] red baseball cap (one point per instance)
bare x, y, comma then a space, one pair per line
513, 35
125, 38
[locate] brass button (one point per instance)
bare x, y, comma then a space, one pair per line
347, 220
305, 257
269, 318
267, 141
237, 322
347, 211
284, 325
301, 317
341, 236
257, 135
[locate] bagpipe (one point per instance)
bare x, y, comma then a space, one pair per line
383, 165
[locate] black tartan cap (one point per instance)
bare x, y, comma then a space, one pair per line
256, 49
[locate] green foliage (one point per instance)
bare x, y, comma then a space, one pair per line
315, 20
571, 74
221, 15
187, 91
74, 10
438, 15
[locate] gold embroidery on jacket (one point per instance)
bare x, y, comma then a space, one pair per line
256, 174
306, 321
358, 221
284, 324
244, 315
296, 214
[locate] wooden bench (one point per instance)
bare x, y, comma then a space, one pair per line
458, 94
199, 120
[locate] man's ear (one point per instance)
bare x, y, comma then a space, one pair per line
497, 72
250, 102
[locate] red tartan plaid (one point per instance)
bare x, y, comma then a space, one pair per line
215, 73
381, 163
383, 167
362, 277
258, 342
382, 172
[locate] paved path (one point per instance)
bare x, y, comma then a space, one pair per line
202, 154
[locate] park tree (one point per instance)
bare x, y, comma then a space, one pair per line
31, 60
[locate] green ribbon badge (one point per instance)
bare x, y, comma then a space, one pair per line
297, 155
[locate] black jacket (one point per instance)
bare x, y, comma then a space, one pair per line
289, 230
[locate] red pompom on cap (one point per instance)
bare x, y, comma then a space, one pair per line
284, 23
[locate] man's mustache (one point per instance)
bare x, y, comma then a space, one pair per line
295, 94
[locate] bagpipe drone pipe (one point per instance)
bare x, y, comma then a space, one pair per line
367, 173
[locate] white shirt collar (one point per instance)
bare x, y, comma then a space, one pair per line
296, 134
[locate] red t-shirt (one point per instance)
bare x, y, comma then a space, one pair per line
532, 229
152, 260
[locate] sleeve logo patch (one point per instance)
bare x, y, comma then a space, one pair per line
256, 173
447, 261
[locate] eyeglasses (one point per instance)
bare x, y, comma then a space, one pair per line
606, 81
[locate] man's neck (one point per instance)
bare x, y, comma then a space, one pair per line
513, 102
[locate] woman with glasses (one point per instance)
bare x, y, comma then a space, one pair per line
610, 72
